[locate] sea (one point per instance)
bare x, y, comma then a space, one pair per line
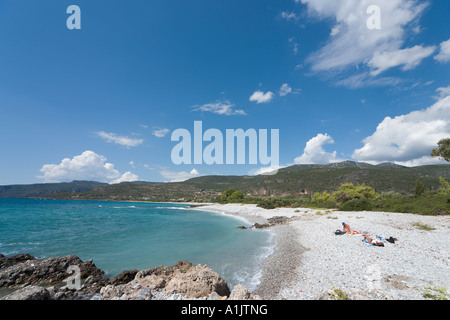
120, 236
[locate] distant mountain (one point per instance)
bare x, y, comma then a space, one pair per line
344, 164
45, 189
293, 180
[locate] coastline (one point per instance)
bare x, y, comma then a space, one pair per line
311, 262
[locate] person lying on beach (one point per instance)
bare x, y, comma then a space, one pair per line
374, 242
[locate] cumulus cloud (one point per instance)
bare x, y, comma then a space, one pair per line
122, 140
285, 90
87, 166
160, 133
352, 43
265, 171
220, 107
261, 97
444, 54
126, 177
179, 176
408, 139
314, 152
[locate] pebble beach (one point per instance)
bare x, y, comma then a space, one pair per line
310, 262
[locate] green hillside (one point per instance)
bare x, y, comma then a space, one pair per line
46, 189
294, 180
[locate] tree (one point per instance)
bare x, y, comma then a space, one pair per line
227, 194
419, 190
445, 187
237, 195
443, 151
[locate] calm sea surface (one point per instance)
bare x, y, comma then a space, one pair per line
122, 236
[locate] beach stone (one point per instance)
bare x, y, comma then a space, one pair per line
241, 292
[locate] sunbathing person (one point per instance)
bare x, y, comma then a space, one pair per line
374, 242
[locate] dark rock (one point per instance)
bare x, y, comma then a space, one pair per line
29, 293
262, 226
6, 262
44, 272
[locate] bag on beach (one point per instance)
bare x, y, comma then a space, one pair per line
339, 232
391, 240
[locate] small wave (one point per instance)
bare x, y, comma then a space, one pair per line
127, 207
21, 244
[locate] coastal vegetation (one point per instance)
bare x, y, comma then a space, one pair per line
358, 198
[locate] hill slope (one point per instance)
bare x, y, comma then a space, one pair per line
294, 180
45, 189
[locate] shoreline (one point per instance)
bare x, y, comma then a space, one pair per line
311, 262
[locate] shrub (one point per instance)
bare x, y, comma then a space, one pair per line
319, 197
359, 204
419, 190
348, 192
445, 187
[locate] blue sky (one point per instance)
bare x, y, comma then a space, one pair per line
101, 103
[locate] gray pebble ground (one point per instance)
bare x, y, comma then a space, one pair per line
311, 260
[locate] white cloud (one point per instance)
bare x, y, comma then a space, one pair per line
289, 16
443, 91
314, 153
126, 177
160, 133
285, 90
409, 58
266, 171
408, 139
261, 97
179, 176
122, 140
444, 53
352, 43
87, 166
220, 107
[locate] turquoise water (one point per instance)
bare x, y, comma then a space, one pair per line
121, 236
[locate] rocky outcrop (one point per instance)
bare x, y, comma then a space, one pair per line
240, 292
6, 262
24, 270
183, 279
271, 222
29, 293
37, 279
